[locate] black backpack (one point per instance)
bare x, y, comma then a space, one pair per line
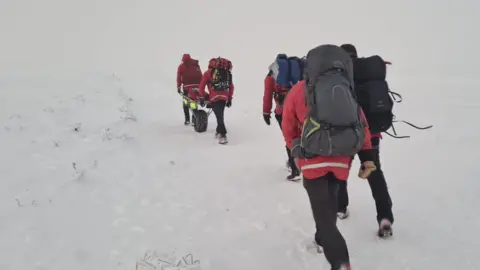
221, 73
221, 79
373, 93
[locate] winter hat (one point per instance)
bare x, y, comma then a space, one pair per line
350, 49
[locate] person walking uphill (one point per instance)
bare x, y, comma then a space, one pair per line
283, 73
372, 87
324, 127
189, 75
218, 79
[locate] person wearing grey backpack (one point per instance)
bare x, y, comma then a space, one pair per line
324, 126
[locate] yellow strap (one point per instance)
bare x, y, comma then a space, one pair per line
315, 123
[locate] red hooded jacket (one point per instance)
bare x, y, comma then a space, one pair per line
189, 74
270, 87
294, 113
212, 94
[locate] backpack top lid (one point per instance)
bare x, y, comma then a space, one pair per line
369, 69
350, 49
220, 62
281, 56
325, 58
280, 72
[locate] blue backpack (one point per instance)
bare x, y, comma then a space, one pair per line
286, 71
296, 69
281, 71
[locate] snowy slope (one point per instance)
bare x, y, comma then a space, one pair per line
97, 167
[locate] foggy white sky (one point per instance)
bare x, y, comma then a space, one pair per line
148, 36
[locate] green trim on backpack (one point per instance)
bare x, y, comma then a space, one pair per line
315, 123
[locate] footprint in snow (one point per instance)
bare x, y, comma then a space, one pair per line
284, 209
137, 229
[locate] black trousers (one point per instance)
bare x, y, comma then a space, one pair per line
322, 193
378, 186
186, 107
218, 108
291, 161
186, 112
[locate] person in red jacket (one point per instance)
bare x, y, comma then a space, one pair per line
323, 174
377, 182
189, 76
273, 91
218, 80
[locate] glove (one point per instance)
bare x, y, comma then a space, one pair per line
267, 117
179, 90
366, 169
229, 103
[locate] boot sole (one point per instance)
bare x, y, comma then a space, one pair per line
385, 233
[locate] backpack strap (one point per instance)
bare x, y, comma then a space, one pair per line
395, 135
394, 94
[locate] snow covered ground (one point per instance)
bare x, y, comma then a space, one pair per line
96, 167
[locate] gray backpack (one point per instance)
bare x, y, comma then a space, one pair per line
333, 125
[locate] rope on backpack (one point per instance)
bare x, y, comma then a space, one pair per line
414, 126
408, 123
396, 95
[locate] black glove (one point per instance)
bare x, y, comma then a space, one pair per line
229, 103
267, 117
179, 90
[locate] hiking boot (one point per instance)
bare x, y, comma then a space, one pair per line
385, 228
294, 176
345, 266
313, 248
343, 214
222, 139
186, 123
